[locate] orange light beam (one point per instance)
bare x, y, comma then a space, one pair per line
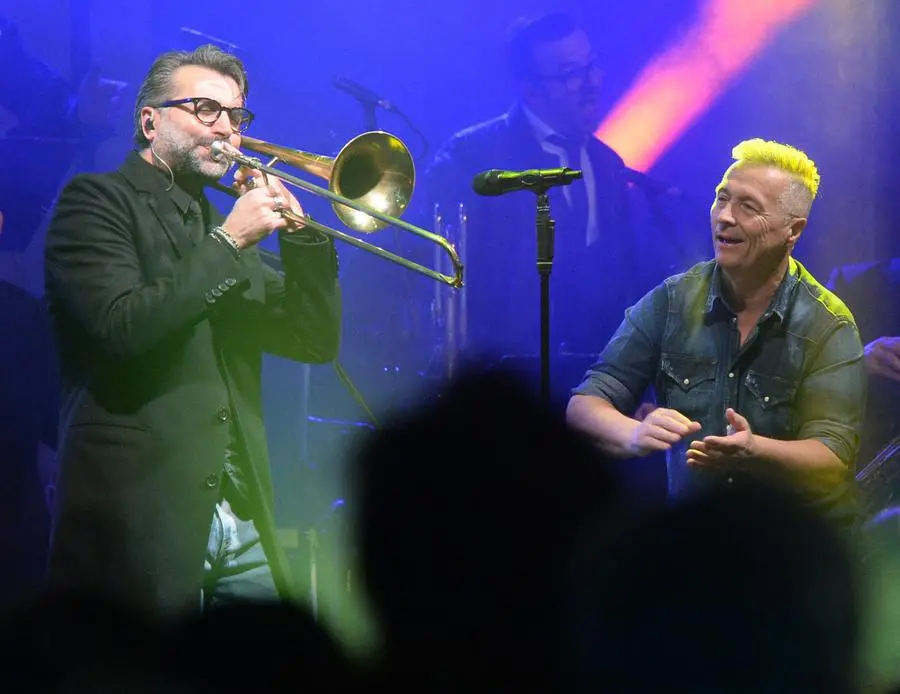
676, 88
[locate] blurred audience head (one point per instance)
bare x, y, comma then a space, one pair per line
880, 647
74, 643
466, 510
736, 590
280, 647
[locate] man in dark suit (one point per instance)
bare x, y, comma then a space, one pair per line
606, 253
162, 310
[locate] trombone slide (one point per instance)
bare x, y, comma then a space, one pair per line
360, 160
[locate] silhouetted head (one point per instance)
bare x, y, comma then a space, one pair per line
733, 591
68, 642
466, 511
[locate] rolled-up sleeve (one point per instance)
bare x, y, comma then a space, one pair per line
832, 398
629, 362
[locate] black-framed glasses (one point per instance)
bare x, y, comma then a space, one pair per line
207, 111
574, 79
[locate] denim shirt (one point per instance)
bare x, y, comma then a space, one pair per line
799, 375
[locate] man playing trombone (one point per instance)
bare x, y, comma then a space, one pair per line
162, 310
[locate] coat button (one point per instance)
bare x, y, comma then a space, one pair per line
212, 481
210, 299
223, 287
223, 415
230, 281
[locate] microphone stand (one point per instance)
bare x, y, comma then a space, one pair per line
546, 227
538, 181
369, 118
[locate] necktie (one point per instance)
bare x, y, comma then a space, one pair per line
577, 190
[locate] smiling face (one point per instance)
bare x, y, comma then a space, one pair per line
565, 89
753, 234
180, 138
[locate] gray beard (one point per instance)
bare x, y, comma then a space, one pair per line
189, 163
182, 155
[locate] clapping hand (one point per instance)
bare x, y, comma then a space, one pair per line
716, 451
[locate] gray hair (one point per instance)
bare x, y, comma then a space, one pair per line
157, 85
796, 200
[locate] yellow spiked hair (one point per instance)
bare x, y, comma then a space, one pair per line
789, 159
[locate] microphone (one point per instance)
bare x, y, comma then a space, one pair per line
357, 91
498, 182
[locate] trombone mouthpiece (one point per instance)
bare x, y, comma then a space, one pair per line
218, 149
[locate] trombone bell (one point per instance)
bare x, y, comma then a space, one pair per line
374, 169
370, 183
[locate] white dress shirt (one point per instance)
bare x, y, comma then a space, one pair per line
542, 132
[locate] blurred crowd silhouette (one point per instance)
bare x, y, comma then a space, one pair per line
499, 551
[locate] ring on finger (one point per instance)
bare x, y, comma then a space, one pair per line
278, 202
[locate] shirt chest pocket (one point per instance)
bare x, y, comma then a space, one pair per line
688, 384
769, 404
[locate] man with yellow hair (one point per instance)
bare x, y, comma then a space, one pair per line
757, 368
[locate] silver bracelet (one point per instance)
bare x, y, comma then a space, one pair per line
223, 235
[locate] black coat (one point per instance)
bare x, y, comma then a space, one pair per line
160, 340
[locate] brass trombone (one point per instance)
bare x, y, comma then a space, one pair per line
370, 182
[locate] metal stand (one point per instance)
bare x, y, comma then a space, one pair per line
448, 307
538, 181
369, 119
545, 244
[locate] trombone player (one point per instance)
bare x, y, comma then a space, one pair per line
162, 310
